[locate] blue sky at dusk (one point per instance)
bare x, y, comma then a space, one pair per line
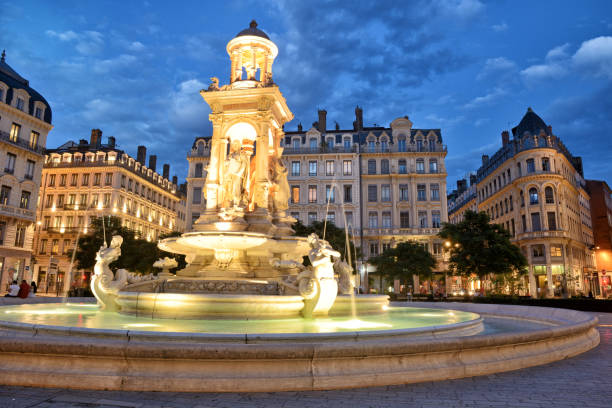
469, 67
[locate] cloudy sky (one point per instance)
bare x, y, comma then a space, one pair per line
469, 67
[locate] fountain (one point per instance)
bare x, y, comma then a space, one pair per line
245, 314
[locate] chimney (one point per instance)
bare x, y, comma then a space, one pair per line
461, 186
175, 180
111, 141
153, 162
358, 123
83, 141
322, 120
166, 171
485, 159
141, 156
96, 137
505, 138
300, 127
472, 179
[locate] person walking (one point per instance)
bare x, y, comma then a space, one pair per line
24, 289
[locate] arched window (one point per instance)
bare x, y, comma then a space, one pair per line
522, 198
419, 144
384, 166
402, 167
371, 146
384, 145
200, 148
533, 196
550, 195
432, 145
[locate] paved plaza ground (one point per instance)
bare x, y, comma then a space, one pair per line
584, 381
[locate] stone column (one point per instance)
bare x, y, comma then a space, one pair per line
532, 281
549, 279
213, 173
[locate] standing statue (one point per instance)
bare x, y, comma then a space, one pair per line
235, 177
279, 185
346, 283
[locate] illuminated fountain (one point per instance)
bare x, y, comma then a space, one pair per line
245, 314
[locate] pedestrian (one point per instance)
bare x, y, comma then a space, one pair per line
33, 289
24, 289
13, 290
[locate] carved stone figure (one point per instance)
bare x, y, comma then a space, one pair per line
346, 284
214, 84
235, 180
279, 185
317, 284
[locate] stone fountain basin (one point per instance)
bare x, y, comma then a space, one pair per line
33, 355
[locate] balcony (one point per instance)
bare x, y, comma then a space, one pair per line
542, 234
12, 211
62, 230
319, 149
6, 137
369, 232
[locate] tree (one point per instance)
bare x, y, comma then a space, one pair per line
334, 235
405, 260
137, 255
484, 249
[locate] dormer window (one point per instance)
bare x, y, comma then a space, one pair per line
20, 103
419, 145
313, 143
1, 95
38, 112
432, 145
347, 143
371, 146
296, 143
330, 143
401, 144
384, 145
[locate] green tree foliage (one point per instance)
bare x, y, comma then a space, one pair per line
334, 235
481, 248
405, 260
137, 255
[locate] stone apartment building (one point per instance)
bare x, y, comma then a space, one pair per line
535, 188
387, 184
25, 121
601, 214
85, 180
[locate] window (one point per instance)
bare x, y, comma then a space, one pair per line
533, 196
545, 164
384, 166
296, 143
432, 145
549, 195
420, 166
518, 169
511, 205
401, 144
535, 222
423, 219
331, 217
555, 250
62, 180
198, 170
60, 200
373, 219
371, 146
66, 246
312, 194
404, 219
71, 199
530, 166
347, 167
5, 195
29, 172
96, 179
313, 143
524, 222
435, 192
421, 195
10, 163
384, 145
330, 143
295, 194
348, 193
54, 247
1, 95
295, 168
386, 246
43, 246
296, 215
330, 196
385, 192
14, 135
419, 145
386, 219
25, 200
433, 166
74, 179
552, 221
347, 143
49, 201
372, 193
108, 179
522, 198
312, 168
512, 226
402, 168
20, 232
20, 103
106, 200
312, 217
194, 218
435, 219
38, 112
537, 251
34, 136
349, 218
329, 168
371, 166
403, 192
85, 180
83, 201
373, 248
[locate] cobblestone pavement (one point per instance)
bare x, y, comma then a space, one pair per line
584, 381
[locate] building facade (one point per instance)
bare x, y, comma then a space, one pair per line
534, 187
601, 215
386, 184
25, 121
82, 181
